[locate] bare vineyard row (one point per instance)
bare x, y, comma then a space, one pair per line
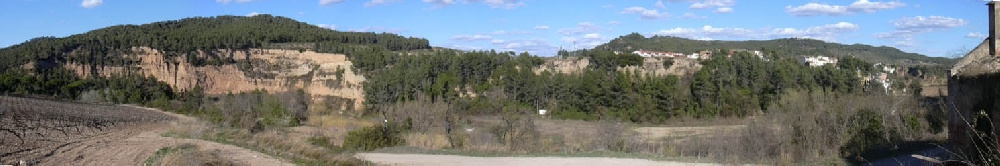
33, 128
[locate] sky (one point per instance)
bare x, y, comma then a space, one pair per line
930, 27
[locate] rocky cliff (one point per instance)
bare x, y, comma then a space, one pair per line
323, 76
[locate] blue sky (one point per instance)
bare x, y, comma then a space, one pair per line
929, 27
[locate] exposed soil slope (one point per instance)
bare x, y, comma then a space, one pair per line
274, 70
86, 134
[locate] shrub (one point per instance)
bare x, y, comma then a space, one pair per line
517, 130
868, 133
373, 137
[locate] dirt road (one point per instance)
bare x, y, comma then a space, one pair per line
125, 148
448, 160
121, 143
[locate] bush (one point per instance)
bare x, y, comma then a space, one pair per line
868, 133
373, 137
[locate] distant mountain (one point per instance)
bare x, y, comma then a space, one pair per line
187, 36
788, 47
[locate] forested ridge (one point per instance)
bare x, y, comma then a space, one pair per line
185, 37
791, 47
471, 83
419, 90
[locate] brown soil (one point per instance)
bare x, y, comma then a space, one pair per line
66, 134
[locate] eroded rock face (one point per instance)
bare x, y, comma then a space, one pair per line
651, 66
280, 71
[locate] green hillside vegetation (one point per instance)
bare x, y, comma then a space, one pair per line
789, 47
107, 46
732, 87
184, 37
729, 87
416, 88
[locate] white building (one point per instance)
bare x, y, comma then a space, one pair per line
648, 54
885, 68
816, 61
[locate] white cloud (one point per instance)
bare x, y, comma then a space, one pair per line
719, 6
331, 26
465, 47
253, 14
920, 23
659, 4
440, 3
506, 4
812, 9
592, 36
237, 1
512, 32
676, 32
976, 35
377, 29
497, 41
704, 4
585, 41
471, 37
542, 27
724, 10
871, 7
710, 29
582, 28
823, 32
866, 6
905, 43
90, 4
690, 15
568, 39
647, 14
533, 46
908, 27
327, 2
379, 2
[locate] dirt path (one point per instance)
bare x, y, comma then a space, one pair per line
133, 145
684, 132
447, 160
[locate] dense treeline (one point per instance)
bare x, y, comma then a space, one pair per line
742, 84
737, 86
64, 84
790, 47
187, 36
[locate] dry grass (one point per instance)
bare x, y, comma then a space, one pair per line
327, 116
188, 154
427, 141
803, 128
285, 143
815, 128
